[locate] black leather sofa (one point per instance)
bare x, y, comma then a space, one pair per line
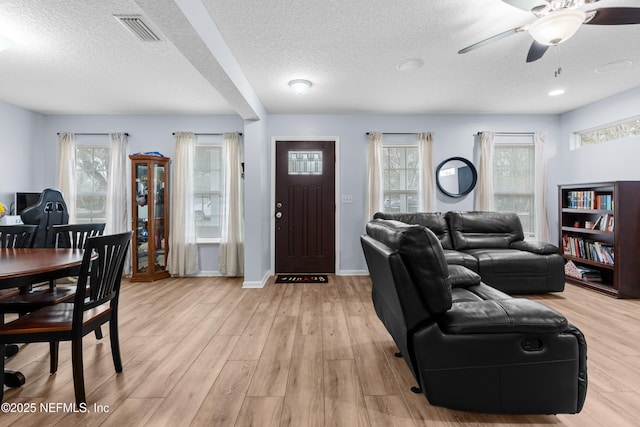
492, 244
470, 346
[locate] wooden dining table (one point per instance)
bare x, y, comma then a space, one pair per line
22, 267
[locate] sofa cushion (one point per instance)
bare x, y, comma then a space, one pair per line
472, 230
422, 254
501, 316
516, 272
454, 257
462, 277
434, 221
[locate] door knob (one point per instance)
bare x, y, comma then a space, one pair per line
278, 215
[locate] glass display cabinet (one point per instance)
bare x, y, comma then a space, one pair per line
150, 217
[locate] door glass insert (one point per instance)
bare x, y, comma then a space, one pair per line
305, 162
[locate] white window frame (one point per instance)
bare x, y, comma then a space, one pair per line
519, 141
210, 141
93, 146
415, 192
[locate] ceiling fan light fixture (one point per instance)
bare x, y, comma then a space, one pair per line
300, 86
556, 27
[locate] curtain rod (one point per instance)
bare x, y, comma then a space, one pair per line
212, 134
508, 133
396, 133
93, 134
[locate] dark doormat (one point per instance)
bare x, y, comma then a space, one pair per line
302, 278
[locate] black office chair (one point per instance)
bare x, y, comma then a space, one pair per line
50, 210
95, 303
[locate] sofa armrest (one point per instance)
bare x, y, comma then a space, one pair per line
501, 316
461, 277
536, 247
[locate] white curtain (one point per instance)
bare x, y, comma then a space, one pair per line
427, 185
183, 247
117, 215
542, 220
484, 192
67, 172
231, 252
374, 176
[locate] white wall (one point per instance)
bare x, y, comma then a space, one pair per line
19, 161
610, 161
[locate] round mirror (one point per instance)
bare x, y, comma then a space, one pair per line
456, 176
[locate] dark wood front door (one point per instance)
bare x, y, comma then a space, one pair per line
305, 207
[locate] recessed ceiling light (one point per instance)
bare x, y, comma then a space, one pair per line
410, 64
556, 92
300, 86
613, 66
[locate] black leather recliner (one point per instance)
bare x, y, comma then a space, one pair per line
470, 346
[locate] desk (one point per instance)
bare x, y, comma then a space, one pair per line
23, 267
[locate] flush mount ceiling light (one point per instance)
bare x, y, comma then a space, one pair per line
556, 27
556, 92
300, 86
410, 64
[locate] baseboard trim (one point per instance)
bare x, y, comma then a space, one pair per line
257, 284
352, 273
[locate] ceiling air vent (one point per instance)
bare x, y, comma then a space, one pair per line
137, 26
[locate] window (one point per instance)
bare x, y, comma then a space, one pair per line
400, 178
207, 186
514, 179
611, 132
92, 167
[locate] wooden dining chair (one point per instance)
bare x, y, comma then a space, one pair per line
95, 303
68, 236
17, 235
75, 235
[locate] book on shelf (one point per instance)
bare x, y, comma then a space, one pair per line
581, 272
579, 247
588, 199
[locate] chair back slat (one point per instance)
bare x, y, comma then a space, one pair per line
102, 274
74, 236
17, 235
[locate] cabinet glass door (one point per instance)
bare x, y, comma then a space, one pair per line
159, 226
142, 226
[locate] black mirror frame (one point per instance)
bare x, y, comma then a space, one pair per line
474, 177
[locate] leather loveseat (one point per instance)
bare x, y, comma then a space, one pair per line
470, 346
492, 244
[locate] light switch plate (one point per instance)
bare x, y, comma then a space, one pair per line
347, 198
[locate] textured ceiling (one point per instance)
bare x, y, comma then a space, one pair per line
74, 57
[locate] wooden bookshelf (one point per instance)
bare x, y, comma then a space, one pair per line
599, 231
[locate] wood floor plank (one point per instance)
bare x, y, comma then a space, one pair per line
260, 412
270, 376
343, 399
304, 398
335, 334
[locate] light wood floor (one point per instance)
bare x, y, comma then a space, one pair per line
204, 351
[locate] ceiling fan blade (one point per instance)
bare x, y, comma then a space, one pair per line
615, 16
492, 39
536, 51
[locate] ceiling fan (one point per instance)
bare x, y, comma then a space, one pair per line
558, 20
